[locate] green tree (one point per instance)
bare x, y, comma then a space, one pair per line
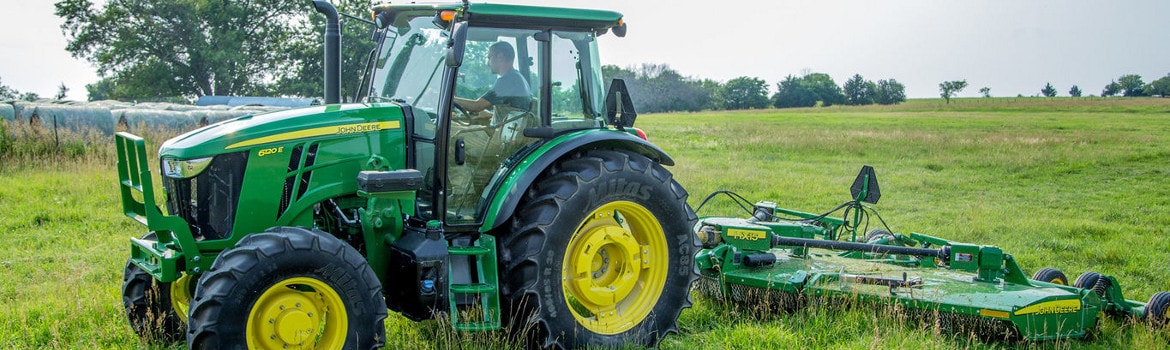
743, 93
711, 88
1111, 89
161, 48
305, 68
1160, 87
1048, 90
792, 92
890, 92
948, 89
7, 93
659, 88
1074, 91
985, 91
825, 88
1131, 85
103, 89
62, 91
859, 91
806, 91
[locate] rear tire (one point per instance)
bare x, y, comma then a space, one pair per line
1086, 280
1157, 310
603, 231
288, 287
149, 306
1051, 275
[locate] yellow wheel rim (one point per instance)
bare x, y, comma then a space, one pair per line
1059, 281
615, 267
297, 313
181, 296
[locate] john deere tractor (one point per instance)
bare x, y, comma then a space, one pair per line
548, 214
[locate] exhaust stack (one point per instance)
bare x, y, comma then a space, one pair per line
332, 52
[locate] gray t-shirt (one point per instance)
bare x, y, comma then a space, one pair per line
510, 90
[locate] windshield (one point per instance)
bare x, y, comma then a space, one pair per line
410, 63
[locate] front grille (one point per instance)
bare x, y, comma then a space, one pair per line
207, 202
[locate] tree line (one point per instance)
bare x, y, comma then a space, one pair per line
659, 88
1129, 85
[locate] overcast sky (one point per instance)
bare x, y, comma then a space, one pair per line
1012, 47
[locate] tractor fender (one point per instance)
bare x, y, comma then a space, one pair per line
512, 187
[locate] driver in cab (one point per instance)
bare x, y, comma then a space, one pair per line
510, 89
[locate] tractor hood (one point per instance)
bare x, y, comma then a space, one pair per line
264, 130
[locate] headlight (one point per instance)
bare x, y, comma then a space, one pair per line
182, 169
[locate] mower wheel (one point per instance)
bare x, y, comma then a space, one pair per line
1051, 275
601, 253
1157, 310
288, 287
1087, 280
876, 234
150, 305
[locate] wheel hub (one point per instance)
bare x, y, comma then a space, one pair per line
181, 296
616, 265
614, 268
296, 313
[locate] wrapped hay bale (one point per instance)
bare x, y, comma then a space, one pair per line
111, 104
165, 106
75, 118
7, 112
211, 116
216, 116
23, 110
258, 109
135, 119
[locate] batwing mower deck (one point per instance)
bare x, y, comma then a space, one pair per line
971, 288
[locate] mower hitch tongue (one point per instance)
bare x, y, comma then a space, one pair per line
782, 257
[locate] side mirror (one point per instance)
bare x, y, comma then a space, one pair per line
617, 90
456, 44
381, 20
620, 30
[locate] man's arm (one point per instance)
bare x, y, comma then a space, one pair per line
473, 106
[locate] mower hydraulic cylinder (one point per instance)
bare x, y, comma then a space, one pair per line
943, 254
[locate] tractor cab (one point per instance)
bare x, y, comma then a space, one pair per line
483, 84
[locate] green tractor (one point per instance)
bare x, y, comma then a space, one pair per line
442, 194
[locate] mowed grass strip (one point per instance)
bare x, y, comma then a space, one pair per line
1075, 184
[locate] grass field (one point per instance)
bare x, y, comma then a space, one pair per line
1076, 184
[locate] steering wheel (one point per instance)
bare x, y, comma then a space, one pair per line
461, 115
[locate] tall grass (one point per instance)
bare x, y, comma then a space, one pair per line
1073, 184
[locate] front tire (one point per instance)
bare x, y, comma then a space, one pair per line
149, 308
288, 287
601, 253
156, 312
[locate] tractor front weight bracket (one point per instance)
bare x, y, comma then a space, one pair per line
163, 257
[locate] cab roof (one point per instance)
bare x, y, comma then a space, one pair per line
524, 16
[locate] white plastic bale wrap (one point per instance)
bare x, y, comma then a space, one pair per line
219, 116
7, 112
212, 116
133, 119
108, 116
23, 110
75, 118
